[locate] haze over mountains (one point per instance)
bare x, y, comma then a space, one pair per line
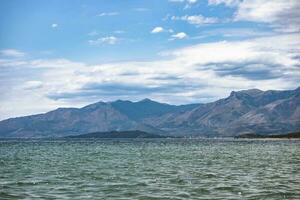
248, 111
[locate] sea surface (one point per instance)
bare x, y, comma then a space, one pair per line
150, 169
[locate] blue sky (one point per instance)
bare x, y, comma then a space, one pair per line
71, 53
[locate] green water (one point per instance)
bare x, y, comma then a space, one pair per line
149, 169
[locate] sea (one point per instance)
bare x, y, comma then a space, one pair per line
149, 169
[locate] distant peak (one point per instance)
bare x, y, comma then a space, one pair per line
121, 101
232, 93
94, 105
255, 90
146, 100
99, 103
250, 92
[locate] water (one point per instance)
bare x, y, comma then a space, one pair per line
149, 169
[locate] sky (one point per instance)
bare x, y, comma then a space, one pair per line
69, 53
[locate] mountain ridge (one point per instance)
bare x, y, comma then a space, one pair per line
245, 111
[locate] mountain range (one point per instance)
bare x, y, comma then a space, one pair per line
246, 111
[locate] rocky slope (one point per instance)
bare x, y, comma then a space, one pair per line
248, 111
242, 112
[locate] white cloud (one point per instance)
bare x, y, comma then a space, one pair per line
11, 53
119, 31
282, 15
240, 32
54, 25
176, 1
157, 29
276, 50
202, 72
180, 35
12, 62
191, 1
188, 3
196, 19
31, 85
225, 2
54, 64
264, 11
103, 14
182, 1
111, 40
141, 9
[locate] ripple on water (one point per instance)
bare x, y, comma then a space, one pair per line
149, 169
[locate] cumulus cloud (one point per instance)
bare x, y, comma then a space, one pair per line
196, 19
276, 50
180, 35
157, 29
197, 73
282, 15
111, 40
54, 25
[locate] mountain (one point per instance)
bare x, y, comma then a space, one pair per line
98, 117
118, 134
242, 112
247, 111
147, 108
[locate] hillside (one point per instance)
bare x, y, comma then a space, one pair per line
247, 111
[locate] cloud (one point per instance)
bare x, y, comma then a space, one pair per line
157, 29
188, 3
111, 40
53, 64
225, 2
196, 19
234, 33
110, 89
11, 53
104, 14
54, 25
183, 1
93, 33
265, 49
12, 62
141, 9
196, 73
191, 1
180, 35
282, 15
31, 85
251, 71
119, 31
